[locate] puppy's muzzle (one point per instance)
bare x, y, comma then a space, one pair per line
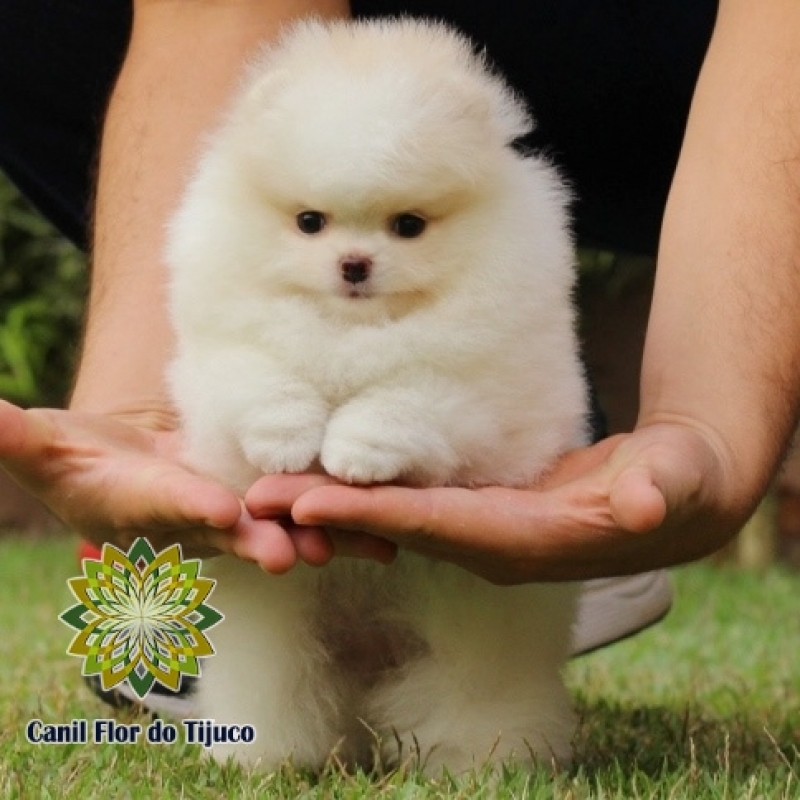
355, 269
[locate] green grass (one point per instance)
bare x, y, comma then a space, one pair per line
707, 705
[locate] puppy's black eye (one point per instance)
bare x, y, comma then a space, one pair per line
407, 226
310, 222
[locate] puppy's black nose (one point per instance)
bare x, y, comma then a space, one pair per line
355, 269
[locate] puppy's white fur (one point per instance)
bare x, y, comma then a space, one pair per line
453, 362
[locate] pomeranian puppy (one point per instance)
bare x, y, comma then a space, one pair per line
367, 276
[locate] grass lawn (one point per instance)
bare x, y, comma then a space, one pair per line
707, 705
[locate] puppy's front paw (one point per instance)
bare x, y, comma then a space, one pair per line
363, 462
361, 447
281, 442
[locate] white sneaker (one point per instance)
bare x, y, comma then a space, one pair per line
611, 609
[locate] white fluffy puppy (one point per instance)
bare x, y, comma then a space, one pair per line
366, 274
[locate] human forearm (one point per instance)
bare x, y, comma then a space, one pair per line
723, 345
183, 64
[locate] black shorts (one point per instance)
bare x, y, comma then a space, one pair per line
609, 82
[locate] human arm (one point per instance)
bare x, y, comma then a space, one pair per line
110, 467
721, 371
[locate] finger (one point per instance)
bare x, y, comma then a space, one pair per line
258, 541
264, 542
12, 428
273, 495
431, 517
496, 532
150, 494
312, 544
636, 503
192, 498
24, 435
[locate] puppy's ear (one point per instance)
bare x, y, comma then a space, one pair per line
509, 113
486, 100
260, 87
470, 87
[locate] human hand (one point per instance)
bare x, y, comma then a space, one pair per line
115, 481
659, 496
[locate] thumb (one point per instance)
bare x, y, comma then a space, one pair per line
638, 504
663, 479
23, 436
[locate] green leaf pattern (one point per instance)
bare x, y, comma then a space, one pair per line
141, 617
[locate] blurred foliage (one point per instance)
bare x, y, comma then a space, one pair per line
43, 285
612, 271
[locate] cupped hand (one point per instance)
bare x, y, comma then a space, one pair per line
661, 495
113, 481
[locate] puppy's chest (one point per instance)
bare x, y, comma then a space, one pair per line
341, 360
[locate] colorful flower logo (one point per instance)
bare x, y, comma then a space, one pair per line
141, 617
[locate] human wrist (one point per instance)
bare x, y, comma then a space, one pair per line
153, 413
115, 392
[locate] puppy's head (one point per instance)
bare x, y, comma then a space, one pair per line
362, 151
